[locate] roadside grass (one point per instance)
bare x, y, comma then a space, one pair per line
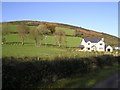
82, 81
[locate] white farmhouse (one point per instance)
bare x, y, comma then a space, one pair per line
94, 44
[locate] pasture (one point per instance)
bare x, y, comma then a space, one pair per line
44, 52
71, 41
47, 49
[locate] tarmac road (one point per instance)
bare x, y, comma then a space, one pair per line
112, 81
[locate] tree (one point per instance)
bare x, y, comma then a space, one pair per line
77, 32
43, 29
23, 30
51, 27
39, 33
60, 37
5, 32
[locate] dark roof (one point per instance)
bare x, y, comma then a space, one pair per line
93, 40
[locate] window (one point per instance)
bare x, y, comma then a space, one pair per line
101, 44
101, 48
88, 43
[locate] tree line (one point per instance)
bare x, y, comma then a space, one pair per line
38, 33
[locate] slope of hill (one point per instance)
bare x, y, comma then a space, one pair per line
85, 33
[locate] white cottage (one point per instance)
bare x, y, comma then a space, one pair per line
94, 44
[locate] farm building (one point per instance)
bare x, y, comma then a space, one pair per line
109, 48
94, 44
117, 48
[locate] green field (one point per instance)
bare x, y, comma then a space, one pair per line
49, 52
48, 49
67, 31
29, 49
71, 41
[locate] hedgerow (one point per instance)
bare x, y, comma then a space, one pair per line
29, 72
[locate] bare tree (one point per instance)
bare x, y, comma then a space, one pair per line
60, 37
39, 34
23, 30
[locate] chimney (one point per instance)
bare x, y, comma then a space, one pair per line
102, 39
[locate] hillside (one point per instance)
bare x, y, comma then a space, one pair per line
85, 33
45, 64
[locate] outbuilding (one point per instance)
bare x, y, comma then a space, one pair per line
109, 49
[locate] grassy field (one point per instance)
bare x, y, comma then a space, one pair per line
67, 31
71, 41
42, 51
47, 49
30, 50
